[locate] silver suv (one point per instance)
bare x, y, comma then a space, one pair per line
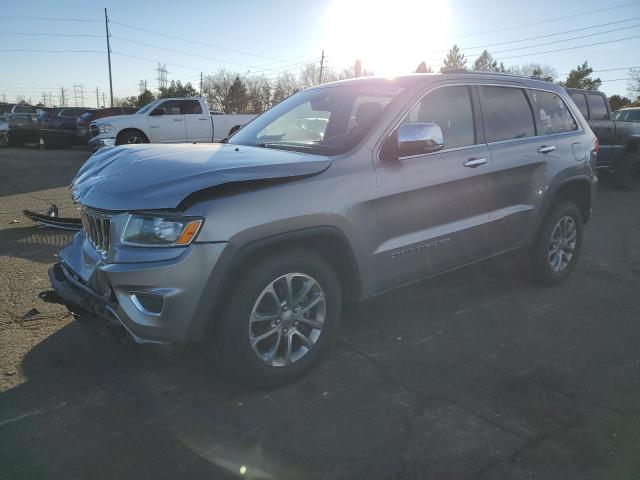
339, 193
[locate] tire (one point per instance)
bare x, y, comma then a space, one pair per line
543, 263
131, 137
265, 364
628, 172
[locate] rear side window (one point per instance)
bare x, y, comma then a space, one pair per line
190, 107
450, 108
507, 114
551, 113
581, 103
598, 107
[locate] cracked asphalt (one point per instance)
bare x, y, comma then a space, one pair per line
473, 375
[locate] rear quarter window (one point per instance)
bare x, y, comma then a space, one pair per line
507, 113
598, 107
551, 113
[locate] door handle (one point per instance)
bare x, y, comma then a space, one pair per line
475, 162
546, 149
177, 119
202, 118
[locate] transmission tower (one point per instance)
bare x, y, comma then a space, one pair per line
162, 76
142, 84
78, 93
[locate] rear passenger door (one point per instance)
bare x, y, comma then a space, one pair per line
198, 124
433, 208
527, 136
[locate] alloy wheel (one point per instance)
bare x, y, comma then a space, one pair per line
563, 244
287, 319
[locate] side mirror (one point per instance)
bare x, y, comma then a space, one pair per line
157, 111
419, 138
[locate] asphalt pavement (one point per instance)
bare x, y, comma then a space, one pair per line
473, 375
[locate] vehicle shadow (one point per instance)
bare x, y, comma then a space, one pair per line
34, 243
110, 409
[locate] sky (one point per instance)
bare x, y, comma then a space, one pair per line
269, 37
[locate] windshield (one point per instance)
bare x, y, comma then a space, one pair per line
324, 121
147, 107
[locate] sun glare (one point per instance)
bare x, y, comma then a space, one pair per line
390, 38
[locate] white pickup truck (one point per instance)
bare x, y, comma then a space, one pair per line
166, 120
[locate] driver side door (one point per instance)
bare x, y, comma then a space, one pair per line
167, 126
433, 208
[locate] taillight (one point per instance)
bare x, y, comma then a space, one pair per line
596, 145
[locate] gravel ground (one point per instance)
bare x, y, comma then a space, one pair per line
473, 375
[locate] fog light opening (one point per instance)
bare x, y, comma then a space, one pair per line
148, 303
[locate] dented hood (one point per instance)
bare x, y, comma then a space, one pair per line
146, 177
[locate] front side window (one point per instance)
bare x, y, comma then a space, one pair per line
171, 107
450, 108
190, 107
598, 107
325, 121
552, 113
581, 103
507, 114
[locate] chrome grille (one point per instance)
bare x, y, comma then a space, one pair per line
96, 227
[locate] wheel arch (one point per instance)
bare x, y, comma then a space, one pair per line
328, 241
124, 131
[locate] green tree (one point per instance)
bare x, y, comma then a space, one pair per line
144, 98
486, 62
580, 77
423, 68
454, 60
618, 101
176, 89
237, 99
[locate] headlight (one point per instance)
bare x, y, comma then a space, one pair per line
160, 232
105, 128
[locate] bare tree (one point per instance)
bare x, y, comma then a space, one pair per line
286, 85
537, 70
259, 93
634, 82
215, 88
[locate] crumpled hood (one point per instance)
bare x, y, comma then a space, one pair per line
146, 177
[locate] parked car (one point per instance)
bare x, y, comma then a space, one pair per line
255, 245
23, 108
58, 126
167, 120
619, 138
83, 131
630, 114
16, 129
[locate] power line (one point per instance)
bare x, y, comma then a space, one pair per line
62, 19
572, 48
544, 36
35, 50
49, 34
196, 42
539, 22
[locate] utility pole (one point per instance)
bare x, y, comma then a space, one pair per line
106, 24
44, 99
63, 102
357, 70
97, 99
321, 67
103, 100
200, 83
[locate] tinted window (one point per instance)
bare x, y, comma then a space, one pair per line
627, 116
507, 114
450, 108
190, 107
171, 107
598, 107
551, 113
581, 103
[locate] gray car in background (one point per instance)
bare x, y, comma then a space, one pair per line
337, 194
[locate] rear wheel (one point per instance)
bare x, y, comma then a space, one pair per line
280, 318
131, 137
628, 172
558, 244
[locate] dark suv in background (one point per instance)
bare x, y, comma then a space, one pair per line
57, 126
619, 136
83, 132
338, 193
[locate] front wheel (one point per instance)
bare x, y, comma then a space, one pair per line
282, 313
558, 244
131, 137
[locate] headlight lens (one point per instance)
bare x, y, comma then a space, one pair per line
105, 128
160, 232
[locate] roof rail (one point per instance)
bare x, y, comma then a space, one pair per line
488, 72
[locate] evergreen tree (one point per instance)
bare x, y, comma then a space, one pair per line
485, 62
237, 99
454, 60
580, 77
423, 68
